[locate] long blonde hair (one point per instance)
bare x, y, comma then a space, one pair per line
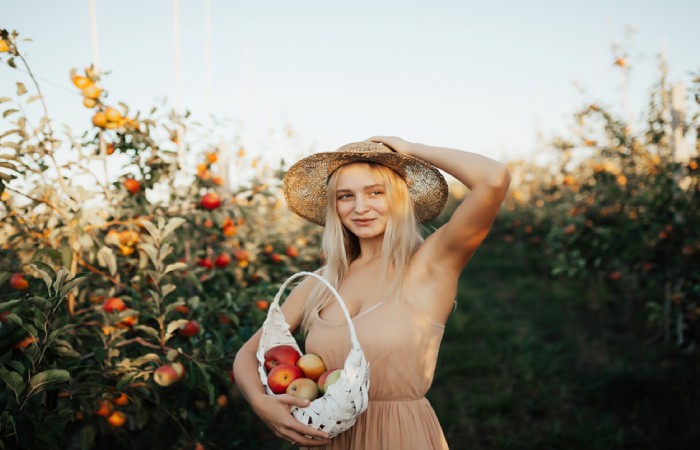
340, 247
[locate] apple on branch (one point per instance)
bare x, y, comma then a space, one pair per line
169, 374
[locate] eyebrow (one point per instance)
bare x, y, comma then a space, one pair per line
372, 186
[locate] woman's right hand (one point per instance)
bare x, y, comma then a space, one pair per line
275, 411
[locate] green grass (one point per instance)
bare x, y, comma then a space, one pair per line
529, 362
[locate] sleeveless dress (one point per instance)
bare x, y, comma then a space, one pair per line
401, 345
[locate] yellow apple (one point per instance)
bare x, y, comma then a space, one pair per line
312, 365
303, 388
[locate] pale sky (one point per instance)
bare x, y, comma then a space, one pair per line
481, 76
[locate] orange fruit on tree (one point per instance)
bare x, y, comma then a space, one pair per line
105, 408
113, 304
81, 82
262, 305
212, 157
292, 251
110, 148
92, 91
89, 102
3, 46
112, 114
18, 282
132, 185
99, 119
26, 342
121, 400
229, 230
117, 419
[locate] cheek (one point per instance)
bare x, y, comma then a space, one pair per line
343, 208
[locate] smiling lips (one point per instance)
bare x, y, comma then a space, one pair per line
363, 222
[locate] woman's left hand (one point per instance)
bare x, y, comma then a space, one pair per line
395, 143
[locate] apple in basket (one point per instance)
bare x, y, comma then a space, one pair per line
327, 378
281, 376
303, 388
312, 365
280, 354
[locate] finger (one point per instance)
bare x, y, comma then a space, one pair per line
305, 430
294, 401
303, 441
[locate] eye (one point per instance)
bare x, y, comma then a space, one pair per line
375, 193
344, 196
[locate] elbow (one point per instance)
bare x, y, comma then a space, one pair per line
500, 179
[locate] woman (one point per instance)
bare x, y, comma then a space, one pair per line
399, 289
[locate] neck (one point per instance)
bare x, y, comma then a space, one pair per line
370, 248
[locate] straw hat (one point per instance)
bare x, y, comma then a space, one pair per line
305, 182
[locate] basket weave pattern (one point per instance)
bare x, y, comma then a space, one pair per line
338, 409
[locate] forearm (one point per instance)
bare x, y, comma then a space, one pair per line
245, 371
472, 169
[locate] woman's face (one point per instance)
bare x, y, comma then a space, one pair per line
361, 200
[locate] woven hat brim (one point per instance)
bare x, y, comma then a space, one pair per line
305, 182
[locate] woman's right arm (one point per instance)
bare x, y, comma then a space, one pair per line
274, 410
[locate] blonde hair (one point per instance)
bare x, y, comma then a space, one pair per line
340, 247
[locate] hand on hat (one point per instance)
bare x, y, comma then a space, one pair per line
395, 143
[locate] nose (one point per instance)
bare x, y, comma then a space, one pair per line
360, 205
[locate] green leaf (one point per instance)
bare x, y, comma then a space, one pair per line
14, 318
42, 380
148, 330
46, 272
148, 357
106, 258
151, 252
72, 284
173, 223
58, 331
152, 229
174, 266
18, 366
14, 381
167, 289
8, 305
174, 326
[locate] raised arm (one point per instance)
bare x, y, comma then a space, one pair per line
454, 243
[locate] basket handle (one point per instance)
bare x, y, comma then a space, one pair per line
275, 302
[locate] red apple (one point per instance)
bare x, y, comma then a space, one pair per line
113, 304
312, 365
303, 388
18, 282
281, 354
206, 263
190, 329
281, 376
223, 260
210, 200
132, 185
327, 378
169, 374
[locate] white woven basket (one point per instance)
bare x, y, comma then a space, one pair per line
338, 409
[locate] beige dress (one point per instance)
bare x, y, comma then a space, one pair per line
401, 345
